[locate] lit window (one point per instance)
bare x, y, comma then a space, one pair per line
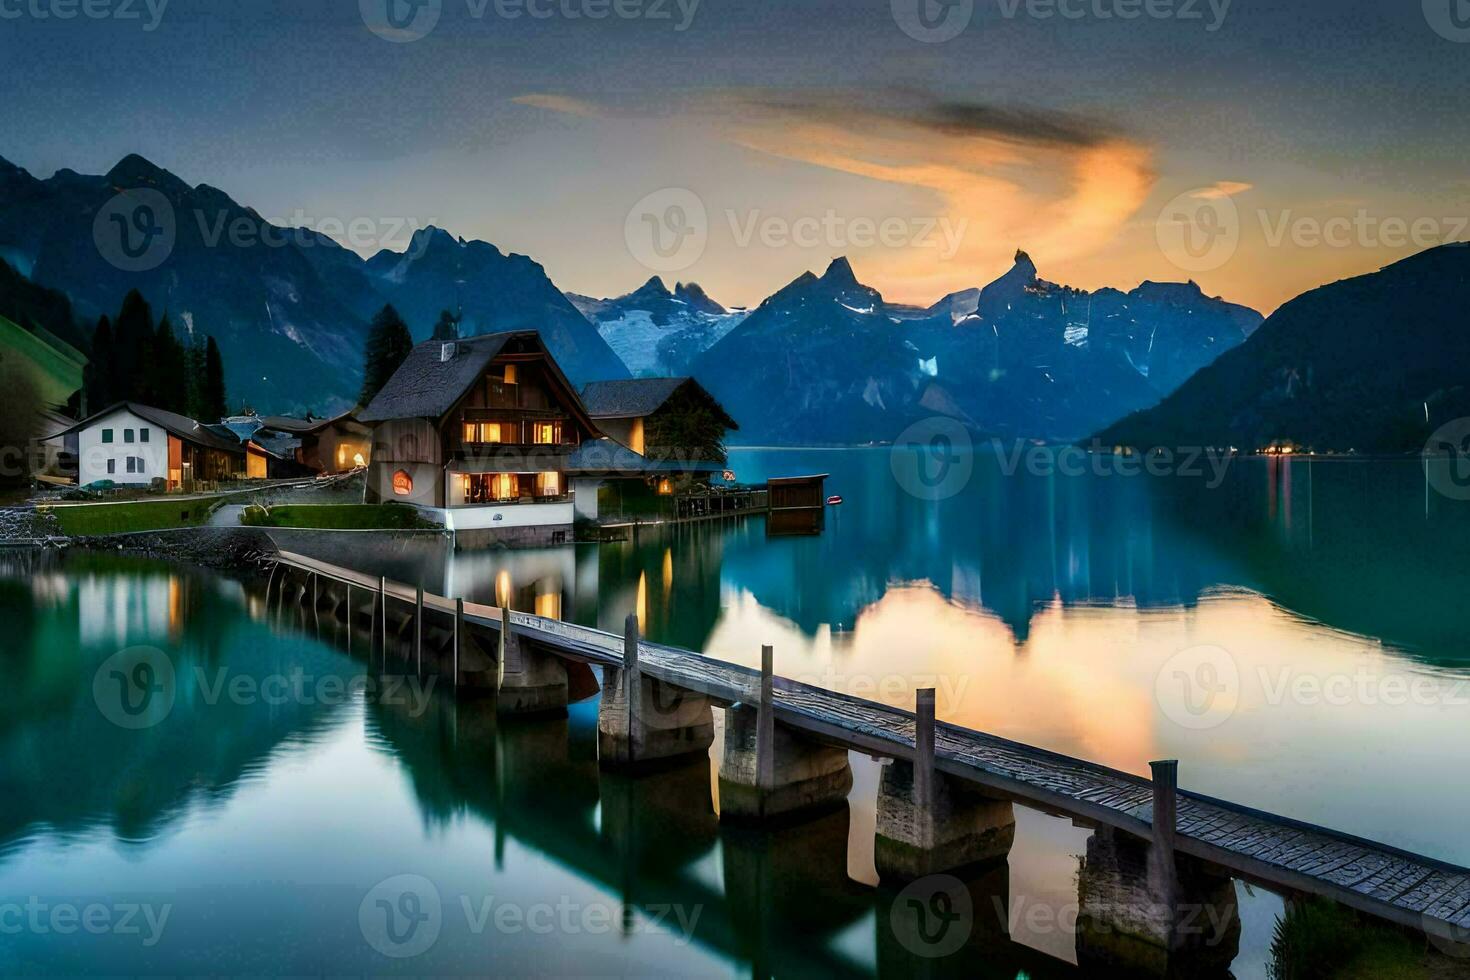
546, 433
403, 484
510, 374
505, 486
483, 432
548, 485
665, 488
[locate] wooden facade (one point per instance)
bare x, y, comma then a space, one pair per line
503, 441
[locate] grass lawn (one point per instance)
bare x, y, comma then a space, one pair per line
338, 517
152, 515
57, 369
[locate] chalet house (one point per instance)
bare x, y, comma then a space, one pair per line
134, 445
334, 445
669, 419
480, 434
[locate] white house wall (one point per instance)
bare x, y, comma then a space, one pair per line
93, 453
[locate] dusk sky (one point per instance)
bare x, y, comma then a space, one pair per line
1067, 136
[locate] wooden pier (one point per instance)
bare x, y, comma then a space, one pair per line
786, 744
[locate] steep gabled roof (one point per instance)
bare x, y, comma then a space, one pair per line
640, 398
183, 427
426, 386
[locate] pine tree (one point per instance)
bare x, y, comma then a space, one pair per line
166, 370
99, 378
212, 407
194, 372
132, 336
447, 328
388, 346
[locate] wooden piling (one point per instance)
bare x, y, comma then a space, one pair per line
765, 732
924, 774
383, 616
1165, 819
458, 634
502, 648
632, 682
351, 618
418, 632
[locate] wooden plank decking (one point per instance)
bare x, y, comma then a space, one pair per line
1276, 851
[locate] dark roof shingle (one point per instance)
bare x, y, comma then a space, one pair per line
426, 386
639, 398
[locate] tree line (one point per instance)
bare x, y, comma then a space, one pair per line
135, 358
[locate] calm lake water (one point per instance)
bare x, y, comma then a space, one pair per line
1294, 635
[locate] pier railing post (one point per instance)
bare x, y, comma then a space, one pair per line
418, 631
765, 732
383, 616
1161, 855
924, 774
351, 618
632, 682
503, 648
458, 636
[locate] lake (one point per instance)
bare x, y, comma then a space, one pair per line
1289, 629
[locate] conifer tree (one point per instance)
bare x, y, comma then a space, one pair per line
388, 346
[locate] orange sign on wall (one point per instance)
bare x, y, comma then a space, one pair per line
403, 484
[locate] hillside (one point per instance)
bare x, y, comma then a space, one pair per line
1374, 364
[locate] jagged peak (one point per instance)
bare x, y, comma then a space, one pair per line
135, 169
840, 272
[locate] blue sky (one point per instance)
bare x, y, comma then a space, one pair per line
1058, 126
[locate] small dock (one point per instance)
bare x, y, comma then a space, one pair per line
946, 794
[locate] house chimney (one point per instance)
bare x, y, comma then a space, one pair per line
447, 352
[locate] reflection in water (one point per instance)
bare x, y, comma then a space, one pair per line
1041, 608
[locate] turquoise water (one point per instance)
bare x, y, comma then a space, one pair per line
257, 823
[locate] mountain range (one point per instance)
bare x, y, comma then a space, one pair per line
657, 332
826, 359
289, 307
1375, 363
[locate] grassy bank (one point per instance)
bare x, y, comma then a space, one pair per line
124, 518
338, 517
57, 368
1318, 938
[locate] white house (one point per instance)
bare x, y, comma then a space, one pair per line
133, 445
